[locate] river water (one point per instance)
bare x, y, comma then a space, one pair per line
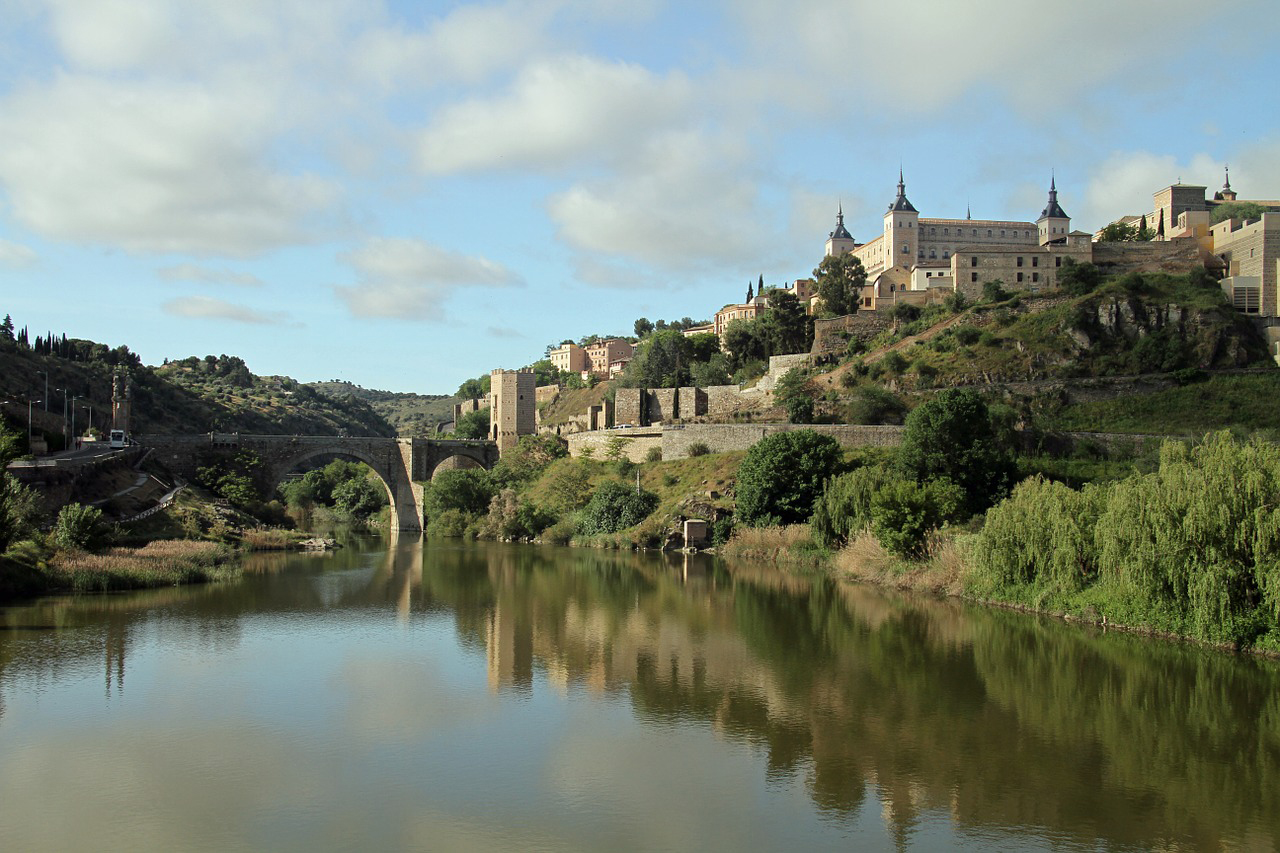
402, 696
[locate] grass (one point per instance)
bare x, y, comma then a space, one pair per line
790, 545
1243, 402
168, 562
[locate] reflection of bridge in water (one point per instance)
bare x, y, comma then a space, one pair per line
403, 464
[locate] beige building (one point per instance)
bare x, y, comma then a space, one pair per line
741, 311
604, 353
514, 412
919, 259
570, 358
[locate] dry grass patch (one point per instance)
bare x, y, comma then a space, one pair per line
792, 544
162, 563
943, 571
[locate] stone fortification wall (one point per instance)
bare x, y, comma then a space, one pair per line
831, 336
636, 446
720, 438
626, 405
659, 406
724, 401
1177, 255
779, 365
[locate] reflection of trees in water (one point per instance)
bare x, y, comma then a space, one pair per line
999, 719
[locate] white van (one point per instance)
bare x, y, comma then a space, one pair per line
118, 439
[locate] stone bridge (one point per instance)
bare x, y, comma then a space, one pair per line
403, 464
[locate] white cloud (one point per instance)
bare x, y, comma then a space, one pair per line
208, 308
914, 58
688, 202
15, 254
207, 275
405, 277
558, 112
152, 168
1125, 182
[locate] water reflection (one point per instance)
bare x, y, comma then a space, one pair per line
999, 726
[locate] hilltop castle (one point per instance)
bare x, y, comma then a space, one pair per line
915, 254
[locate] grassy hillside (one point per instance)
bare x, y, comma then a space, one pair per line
411, 415
191, 395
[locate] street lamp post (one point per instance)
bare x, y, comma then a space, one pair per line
29, 432
75, 438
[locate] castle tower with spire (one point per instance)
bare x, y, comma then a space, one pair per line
1053, 225
901, 230
840, 240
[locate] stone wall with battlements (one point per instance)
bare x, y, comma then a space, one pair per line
831, 336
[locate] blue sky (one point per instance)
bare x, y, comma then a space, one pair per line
405, 194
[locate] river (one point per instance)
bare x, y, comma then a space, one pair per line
411, 696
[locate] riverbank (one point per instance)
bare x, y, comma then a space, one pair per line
948, 571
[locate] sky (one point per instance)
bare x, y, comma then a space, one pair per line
404, 195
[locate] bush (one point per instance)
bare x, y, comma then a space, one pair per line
904, 513
967, 335
952, 437
699, 448
653, 454
894, 363
466, 490
844, 510
876, 405
18, 506
781, 477
1042, 536
80, 527
616, 507
905, 312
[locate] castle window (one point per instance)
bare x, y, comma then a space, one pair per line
1057, 261
946, 232
988, 232
933, 253
1019, 276
904, 248
1019, 260
933, 232
975, 232
1001, 232
973, 261
1035, 262
973, 276
1035, 276
946, 253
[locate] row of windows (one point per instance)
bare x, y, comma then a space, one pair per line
973, 232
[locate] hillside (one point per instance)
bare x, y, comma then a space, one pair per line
411, 415
1130, 325
191, 395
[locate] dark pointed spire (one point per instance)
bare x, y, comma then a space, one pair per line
1227, 169
1053, 210
841, 231
900, 203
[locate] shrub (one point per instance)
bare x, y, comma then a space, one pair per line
993, 291
467, 490
904, 513
844, 509
699, 448
967, 335
955, 302
80, 527
894, 363
951, 437
1041, 536
616, 507
876, 405
905, 312
451, 523
653, 454
18, 506
781, 477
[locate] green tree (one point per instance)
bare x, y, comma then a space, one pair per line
713, 371
568, 485
359, 497
80, 527
951, 437
466, 490
1122, 232
643, 327
615, 507
792, 393
474, 389
840, 279
782, 475
6, 329
18, 510
746, 341
529, 458
788, 329
473, 425
844, 509
661, 361
1236, 210
874, 404
904, 513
